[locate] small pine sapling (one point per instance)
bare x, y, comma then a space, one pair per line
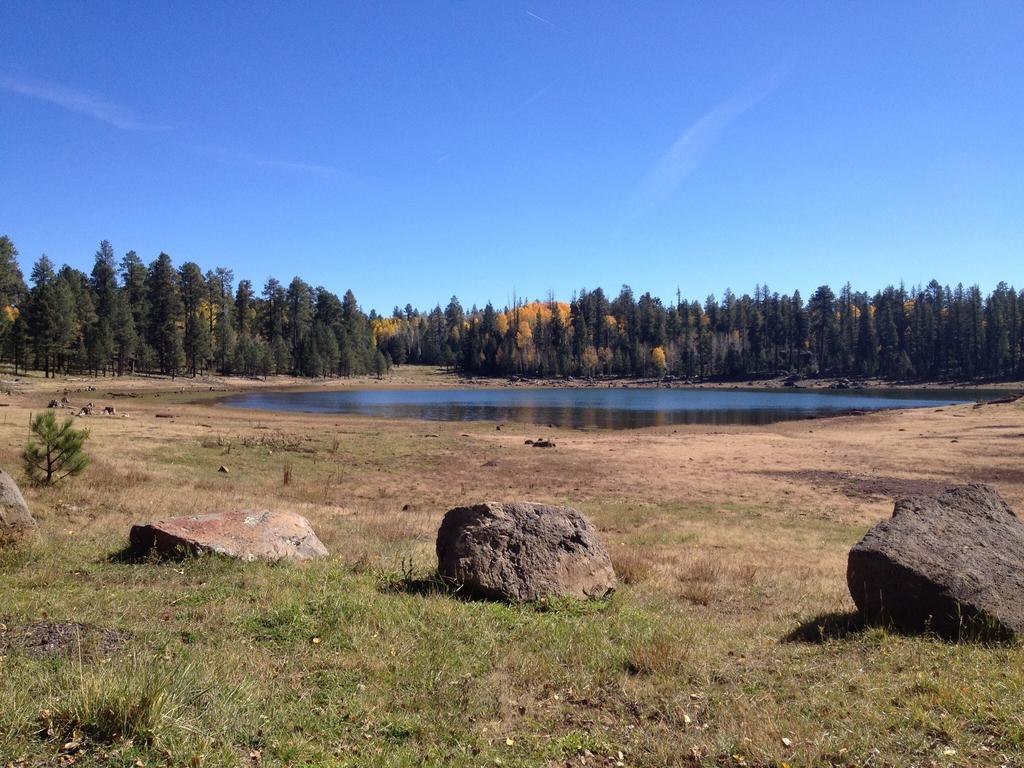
55, 450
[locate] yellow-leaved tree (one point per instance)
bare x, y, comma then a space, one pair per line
588, 360
658, 359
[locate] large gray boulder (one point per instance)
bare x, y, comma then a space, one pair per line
951, 563
16, 522
247, 534
522, 551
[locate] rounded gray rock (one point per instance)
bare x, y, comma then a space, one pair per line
16, 521
951, 563
523, 551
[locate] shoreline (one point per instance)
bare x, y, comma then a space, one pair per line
429, 377
204, 391
780, 383
510, 418
144, 393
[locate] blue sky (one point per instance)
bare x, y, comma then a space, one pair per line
415, 150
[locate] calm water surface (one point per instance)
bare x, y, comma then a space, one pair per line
605, 408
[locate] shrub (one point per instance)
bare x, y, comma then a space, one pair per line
55, 451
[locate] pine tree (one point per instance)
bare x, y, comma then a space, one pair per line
226, 341
222, 327
867, 339
136, 300
125, 335
12, 283
299, 301
821, 307
244, 309
55, 452
83, 349
196, 339
13, 293
165, 311
104, 293
380, 364
52, 315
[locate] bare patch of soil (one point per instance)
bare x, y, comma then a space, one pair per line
53, 638
998, 475
861, 486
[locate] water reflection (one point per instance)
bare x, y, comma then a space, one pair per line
603, 408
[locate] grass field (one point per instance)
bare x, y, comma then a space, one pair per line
731, 640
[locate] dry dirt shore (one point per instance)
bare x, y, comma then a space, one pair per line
425, 377
731, 641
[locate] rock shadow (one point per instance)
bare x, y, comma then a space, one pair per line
133, 555
433, 584
836, 625
423, 586
129, 555
840, 625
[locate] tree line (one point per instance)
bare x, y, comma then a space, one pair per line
933, 332
129, 317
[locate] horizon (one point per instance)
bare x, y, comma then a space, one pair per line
411, 153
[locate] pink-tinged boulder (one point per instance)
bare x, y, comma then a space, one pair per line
248, 534
523, 551
16, 522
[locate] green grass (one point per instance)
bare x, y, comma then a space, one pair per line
320, 665
361, 661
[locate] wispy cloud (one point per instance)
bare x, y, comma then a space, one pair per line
537, 95
542, 20
123, 118
687, 152
292, 166
80, 102
250, 160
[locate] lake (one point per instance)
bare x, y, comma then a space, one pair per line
604, 408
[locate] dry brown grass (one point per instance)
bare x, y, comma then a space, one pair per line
723, 540
631, 564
